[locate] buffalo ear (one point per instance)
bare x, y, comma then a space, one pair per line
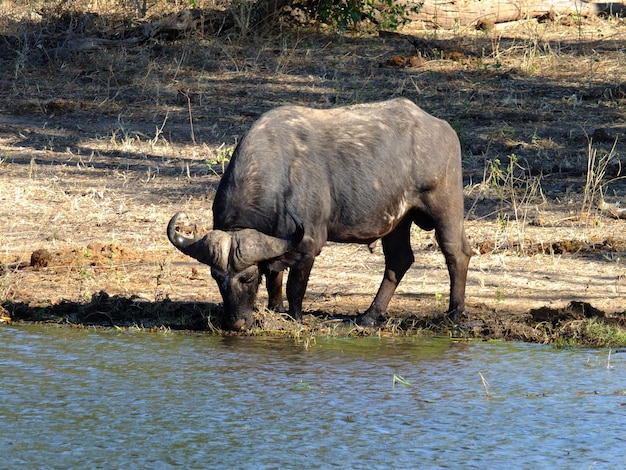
285, 261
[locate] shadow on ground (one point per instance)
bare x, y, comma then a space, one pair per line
579, 323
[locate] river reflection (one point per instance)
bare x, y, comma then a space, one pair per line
89, 399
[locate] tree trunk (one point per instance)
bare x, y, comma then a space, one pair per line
448, 14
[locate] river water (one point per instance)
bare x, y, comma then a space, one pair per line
106, 399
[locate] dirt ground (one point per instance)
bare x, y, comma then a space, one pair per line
99, 148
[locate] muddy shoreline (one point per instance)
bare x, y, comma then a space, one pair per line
578, 323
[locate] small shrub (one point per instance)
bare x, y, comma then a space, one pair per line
220, 159
598, 162
348, 14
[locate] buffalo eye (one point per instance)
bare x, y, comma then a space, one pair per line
249, 275
218, 275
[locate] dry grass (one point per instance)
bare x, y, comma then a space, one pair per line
103, 146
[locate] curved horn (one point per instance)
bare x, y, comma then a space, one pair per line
251, 246
212, 249
178, 240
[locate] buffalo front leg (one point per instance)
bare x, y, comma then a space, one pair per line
296, 285
274, 284
398, 259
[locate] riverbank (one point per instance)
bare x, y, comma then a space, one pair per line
98, 150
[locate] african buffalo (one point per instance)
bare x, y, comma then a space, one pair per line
303, 176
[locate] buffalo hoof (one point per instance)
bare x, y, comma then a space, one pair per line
295, 316
279, 308
369, 320
455, 316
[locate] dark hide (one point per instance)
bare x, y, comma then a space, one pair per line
352, 175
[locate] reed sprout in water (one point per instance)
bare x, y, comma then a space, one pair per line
485, 384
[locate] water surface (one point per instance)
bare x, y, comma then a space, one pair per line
106, 399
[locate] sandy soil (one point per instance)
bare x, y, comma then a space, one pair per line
99, 149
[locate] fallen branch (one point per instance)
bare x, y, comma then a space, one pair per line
169, 28
448, 14
612, 209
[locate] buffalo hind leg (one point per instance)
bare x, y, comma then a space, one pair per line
274, 284
457, 252
398, 259
456, 249
296, 285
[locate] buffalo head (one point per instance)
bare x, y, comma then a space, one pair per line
234, 257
